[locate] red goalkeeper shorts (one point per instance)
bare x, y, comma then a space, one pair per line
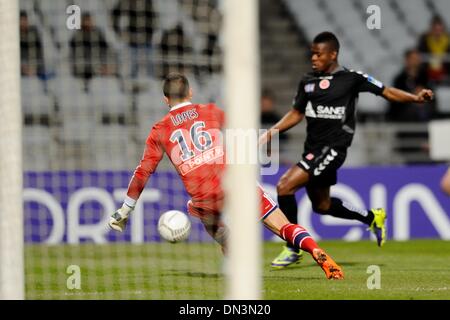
215, 206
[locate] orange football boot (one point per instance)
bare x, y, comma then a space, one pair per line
331, 269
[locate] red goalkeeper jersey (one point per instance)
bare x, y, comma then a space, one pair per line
190, 134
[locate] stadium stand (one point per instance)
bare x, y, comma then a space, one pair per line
37, 104
379, 53
83, 111
186, 37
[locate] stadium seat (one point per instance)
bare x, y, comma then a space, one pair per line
443, 99
398, 37
371, 104
38, 148
62, 86
214, 90
443, 7
89, 5
309, 16
108, 98
416, 14
78, 117
150, 109
357, 154
345, 13
35, 101
439, 131
32, 85
385, 67
113, 149
54, 17
199, 95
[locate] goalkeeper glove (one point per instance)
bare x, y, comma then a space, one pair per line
119, 219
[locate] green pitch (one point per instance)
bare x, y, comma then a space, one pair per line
408, 270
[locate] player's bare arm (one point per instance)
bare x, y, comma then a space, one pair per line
290, 119
397, 95
445, 183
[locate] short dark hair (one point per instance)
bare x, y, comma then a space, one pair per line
267, 93
329, 38
437, 19
176, 86
85, 15
409, 52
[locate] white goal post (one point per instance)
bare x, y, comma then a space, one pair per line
11, 220
242, 85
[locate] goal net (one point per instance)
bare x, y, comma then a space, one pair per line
91, 90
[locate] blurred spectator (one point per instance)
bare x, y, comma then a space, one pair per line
134, 21
412, 78
90, 53
209, 21
31, 55
435, 45
269, 116
175, 50
212, 49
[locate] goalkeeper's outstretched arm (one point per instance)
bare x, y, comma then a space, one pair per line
152, 156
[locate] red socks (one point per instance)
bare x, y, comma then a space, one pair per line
299, 237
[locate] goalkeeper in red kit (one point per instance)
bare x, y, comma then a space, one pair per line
190, 134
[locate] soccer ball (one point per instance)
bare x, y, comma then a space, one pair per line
174, 226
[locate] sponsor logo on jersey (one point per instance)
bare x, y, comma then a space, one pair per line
374, 81
309, 112
325, 112
184, 116
309, 156
324, 84
201, 159
323, 165
309, 87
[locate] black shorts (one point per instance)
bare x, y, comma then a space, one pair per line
322, 165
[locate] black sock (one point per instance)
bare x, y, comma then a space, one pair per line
343, 210
288, 204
